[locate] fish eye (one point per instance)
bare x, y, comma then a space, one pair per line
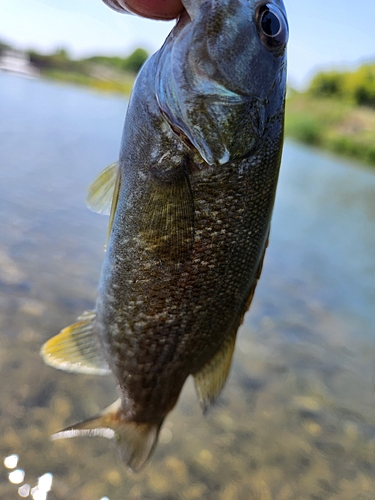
272, 26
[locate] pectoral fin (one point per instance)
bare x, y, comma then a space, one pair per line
103, 193
76, 348
210, 380
167, 227
135, 440
100, 191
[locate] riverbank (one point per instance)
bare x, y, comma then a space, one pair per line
333, 124
121, 84
103, 73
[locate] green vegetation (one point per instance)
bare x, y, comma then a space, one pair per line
357, 87
130, 64
104, 73
3, 46
110, 74
337, 112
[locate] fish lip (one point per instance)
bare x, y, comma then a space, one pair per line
202, 147
177, 131
194, 138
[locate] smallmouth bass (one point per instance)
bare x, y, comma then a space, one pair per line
191, 200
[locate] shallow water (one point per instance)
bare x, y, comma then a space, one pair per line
296, 419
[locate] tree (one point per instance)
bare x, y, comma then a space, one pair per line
134, 62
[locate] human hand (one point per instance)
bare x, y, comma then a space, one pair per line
153, 9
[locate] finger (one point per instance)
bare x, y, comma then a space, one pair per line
153, 9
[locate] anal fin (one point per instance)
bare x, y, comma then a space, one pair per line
135, 440
76, 348
210, 380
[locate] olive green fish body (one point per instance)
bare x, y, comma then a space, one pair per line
167, 306
193, 200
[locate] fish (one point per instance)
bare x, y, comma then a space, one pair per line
190, 202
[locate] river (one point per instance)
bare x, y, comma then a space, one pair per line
296, 420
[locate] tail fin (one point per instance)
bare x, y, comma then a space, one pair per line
136, 441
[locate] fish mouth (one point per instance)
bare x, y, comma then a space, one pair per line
220, 130
176, 130
212, 150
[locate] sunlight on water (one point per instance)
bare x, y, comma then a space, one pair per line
24, 490
11, 461
16, 476
38, 492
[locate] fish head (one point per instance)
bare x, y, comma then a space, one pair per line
221, 76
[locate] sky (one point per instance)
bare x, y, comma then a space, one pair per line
323, 33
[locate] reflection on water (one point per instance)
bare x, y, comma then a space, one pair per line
296, 420
17, 476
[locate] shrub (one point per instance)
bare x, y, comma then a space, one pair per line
304, 128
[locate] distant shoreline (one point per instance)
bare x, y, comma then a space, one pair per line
123, 87
338, 126
327, 121
103, 73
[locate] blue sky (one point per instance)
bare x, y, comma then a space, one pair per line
323, 33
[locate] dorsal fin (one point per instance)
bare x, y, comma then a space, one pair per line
210, 380
103, 193
76, 348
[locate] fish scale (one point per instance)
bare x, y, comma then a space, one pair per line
191, 203
217, 287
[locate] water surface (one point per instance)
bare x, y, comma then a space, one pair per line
296, 420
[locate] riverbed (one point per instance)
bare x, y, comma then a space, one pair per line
296, 420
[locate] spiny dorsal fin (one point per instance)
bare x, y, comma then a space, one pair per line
210, 380
135, 440
76, 348
103, 193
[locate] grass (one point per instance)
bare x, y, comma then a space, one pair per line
329, 123
121, 85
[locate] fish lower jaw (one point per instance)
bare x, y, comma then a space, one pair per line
213, 159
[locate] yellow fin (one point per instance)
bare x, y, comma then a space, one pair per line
116, 192
136, 440
103, 193
76, 348
100, 191
210, 380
